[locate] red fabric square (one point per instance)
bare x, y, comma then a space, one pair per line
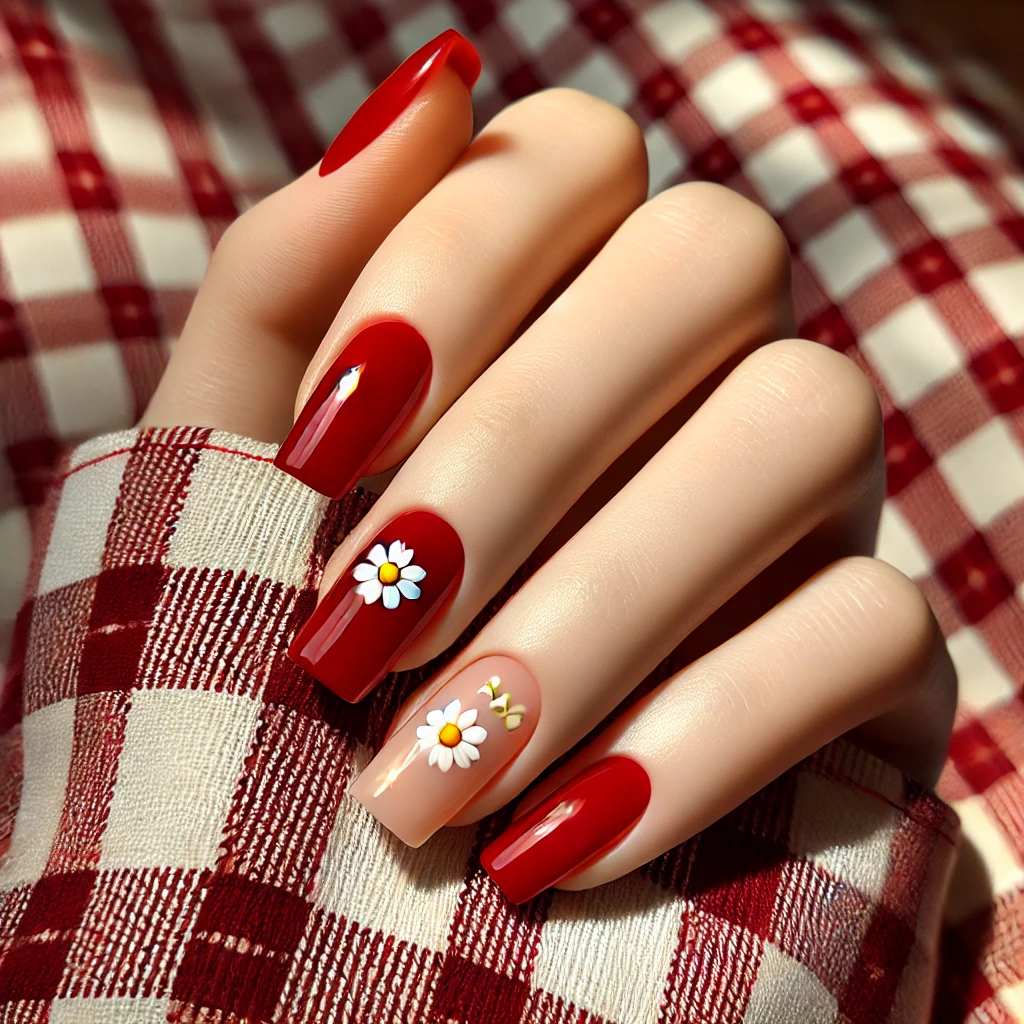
750, 34
830, 327
1000, 371
87, 182
363, 25
809, 104
33, 463
1014, 228
716, 163
13, 341
905, 457
33, 971
962, 164
130, 307
110, 661
660, 92
867, 180
520, 81
253, 910
209, 192
978, 757
603, 19
127, 595
975, 579
246, 985
57, 903
876, 974
472, 994
930, 266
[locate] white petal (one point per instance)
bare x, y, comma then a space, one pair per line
404, 558
364, 571
435, 717
467, 718
444, 757
461, 758
370, 591
414, 573
434, 754
451, 711
377, 555
391, 597
409, 590
426, 735
474, 734
470, 751
395, 551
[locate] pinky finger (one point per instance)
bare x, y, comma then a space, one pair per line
855, 648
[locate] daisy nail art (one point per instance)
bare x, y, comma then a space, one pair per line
450, 748
388, 575
380, 604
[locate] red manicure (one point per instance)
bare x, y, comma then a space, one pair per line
380, 605
396, 92
369, 393
568, 830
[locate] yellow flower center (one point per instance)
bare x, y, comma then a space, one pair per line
450, 735
388, 572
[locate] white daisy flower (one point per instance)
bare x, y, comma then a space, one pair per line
451, 735
388, 573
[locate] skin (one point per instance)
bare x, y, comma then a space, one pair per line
608, 387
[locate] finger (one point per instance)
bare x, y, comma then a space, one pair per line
544, 184
856, 643
782, 445
691, 278
281, 270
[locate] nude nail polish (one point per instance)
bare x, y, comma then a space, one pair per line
384, 105
380, 604
460, 738
364, 399
571, 828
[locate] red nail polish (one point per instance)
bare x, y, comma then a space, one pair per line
380, 604
568, 830
369, 393
396, 92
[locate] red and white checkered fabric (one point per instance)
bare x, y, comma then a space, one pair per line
165, 852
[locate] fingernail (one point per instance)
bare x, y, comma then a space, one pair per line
383, 106
369, 393
572, 827
380, 604
451, 748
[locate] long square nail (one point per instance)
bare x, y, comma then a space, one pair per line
438, 760
380, 604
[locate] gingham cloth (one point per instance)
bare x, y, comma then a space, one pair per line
177, 839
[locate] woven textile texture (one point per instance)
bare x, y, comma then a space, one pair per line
214, 834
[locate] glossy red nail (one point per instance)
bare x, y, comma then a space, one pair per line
381, 603
369, 393
572, 827
383, 106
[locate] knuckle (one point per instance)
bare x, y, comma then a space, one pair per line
825, 396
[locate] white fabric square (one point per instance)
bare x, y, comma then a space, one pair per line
826, 63
86, 389
426, 21
898, 543
789, 167
735, 92
786, 992
47, 736
601, 75
412, 896
947, 206
129, 135
80, 527
677, 28
912, 350
978, 881
903, 63
1001, 287
664, 156
1013, 188
16, 544
984, 683
45, 254
986, 472
1011, 997
90, 1010
207, 534
850, 838
536, 22
183, 753
297, 24
172, 248
886, 130
335, 97
26, 138
848, 253
597, 925
970, 132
